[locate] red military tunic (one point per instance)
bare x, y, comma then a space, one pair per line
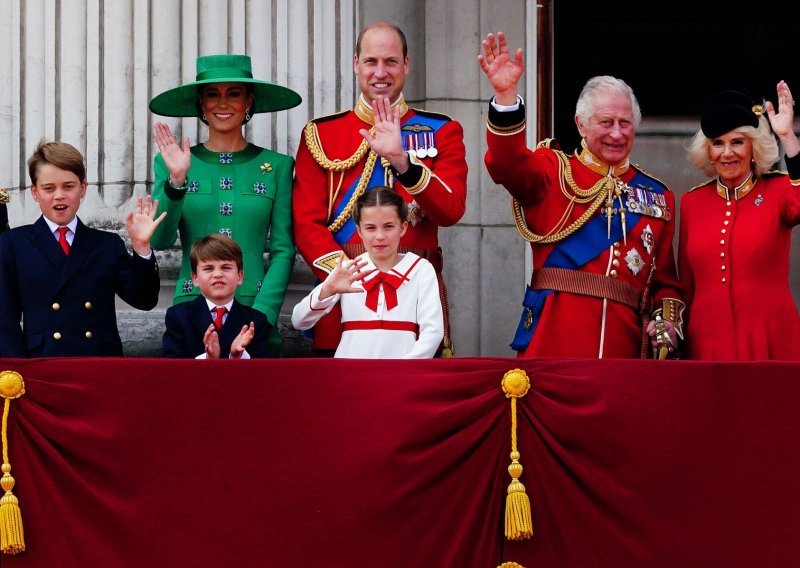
434, 186
734, 266
573, 324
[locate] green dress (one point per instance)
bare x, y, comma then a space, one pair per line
246, 195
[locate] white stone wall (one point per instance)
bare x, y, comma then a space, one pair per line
83, 71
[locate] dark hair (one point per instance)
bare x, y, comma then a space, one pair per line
248, 89
215, 247
382, 24
59, 154
381, 195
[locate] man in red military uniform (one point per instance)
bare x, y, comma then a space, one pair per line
604, 281
380, 142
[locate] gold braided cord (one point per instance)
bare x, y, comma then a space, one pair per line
598, 194
372, 157
315, 147
6, 408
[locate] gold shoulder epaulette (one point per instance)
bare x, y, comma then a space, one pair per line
3, 195
327, 117
432, 114
648, 174
548, 143
705, 183
776, 172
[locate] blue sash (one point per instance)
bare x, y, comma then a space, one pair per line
573, 252
426, 123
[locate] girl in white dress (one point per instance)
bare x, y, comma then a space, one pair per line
390, 301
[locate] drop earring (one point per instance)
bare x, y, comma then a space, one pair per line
247, 115
204, 117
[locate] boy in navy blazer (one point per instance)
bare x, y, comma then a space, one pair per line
215, 325
59, 277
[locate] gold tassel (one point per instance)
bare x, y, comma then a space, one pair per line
447, 349
519, 523
12, 536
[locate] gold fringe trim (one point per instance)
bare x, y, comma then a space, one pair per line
519, 523
603, 191
510, 565
12, 535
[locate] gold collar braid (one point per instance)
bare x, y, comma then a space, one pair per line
364, 111
603, 191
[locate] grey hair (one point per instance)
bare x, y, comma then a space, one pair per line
584, 109
765, 148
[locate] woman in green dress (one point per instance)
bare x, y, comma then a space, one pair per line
226, 184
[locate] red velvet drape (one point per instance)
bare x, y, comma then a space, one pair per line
332, 463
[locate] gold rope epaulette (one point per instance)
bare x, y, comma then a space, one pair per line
4, 195
597, 193
347, 212
314, 146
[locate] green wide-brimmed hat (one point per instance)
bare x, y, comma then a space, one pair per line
182, 101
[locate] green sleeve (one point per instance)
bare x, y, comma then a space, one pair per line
169, 200
281, 247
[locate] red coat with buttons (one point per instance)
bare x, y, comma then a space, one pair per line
734, 265
574, 325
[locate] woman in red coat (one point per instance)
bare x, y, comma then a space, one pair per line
735, 232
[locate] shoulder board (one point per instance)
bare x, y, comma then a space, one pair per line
438, 115
705, 183
549, 143
328, 117
651, 176
775, 172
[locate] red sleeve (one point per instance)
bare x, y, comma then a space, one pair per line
684, 270
665, 280
525, 173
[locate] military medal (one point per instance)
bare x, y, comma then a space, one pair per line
410, 146
422, 150
432, 151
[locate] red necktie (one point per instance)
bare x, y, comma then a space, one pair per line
218, 317
391, 282
62, 239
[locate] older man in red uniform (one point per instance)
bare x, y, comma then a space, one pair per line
380, 142
604, 281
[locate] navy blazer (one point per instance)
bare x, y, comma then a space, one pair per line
187, 323
66, 303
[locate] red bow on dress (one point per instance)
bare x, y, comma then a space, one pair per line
391, 283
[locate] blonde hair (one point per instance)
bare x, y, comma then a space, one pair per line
765, 148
